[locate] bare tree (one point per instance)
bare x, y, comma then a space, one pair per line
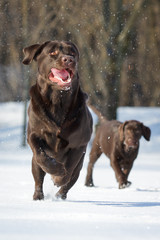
118, 42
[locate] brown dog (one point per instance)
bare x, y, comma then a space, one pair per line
120, 142
60, 123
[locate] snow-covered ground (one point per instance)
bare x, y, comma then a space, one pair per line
103, 212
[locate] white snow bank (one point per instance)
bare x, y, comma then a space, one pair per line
103, 212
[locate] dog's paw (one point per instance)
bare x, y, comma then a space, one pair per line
59, 181
62, 196
124, 185
89, 184
38, 195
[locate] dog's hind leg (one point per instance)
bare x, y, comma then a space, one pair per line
94, 155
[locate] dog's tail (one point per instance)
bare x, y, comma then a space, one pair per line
97, 112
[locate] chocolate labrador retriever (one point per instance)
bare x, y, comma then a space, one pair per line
60, 124
120, 142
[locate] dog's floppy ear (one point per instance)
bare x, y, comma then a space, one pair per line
121, 130
146, 132
31, 52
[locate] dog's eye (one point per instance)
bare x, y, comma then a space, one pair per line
73, 54
137, 132
54, 53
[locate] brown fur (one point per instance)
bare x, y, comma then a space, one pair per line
120, 143
60, 123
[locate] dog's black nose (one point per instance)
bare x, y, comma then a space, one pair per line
68, 60
131, 147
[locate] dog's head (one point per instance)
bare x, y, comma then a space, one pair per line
130, 133
57, 61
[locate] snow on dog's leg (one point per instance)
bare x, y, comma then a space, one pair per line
125, 185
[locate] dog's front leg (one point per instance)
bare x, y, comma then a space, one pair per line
126, 171
46, 162
70, 161
62, 193
38, 175
120, 176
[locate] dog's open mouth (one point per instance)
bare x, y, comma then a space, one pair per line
62, 77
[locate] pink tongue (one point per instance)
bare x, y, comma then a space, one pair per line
63, 74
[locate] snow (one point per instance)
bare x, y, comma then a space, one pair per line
103, 212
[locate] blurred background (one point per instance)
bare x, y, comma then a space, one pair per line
119, 44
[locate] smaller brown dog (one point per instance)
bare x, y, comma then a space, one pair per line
120, 142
